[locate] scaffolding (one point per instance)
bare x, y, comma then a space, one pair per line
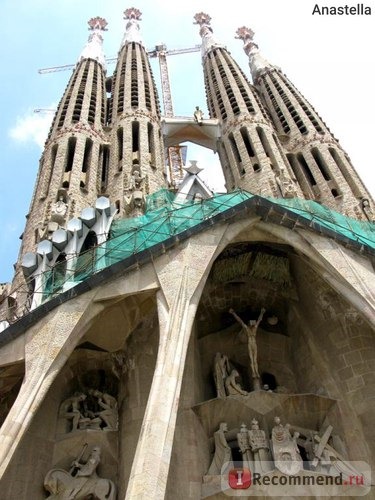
166, 223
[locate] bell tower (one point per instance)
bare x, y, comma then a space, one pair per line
69, 173
137, 159
251, 154
322, 167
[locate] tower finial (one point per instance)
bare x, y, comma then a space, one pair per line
246, 35
206, 32
256, 60
132, 13
94, 46
132, 33
97, 23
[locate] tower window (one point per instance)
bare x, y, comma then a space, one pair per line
247, 141
151, 144
345, 171
306, 169
320, 162
135, 137
236, 153
104, 150
70, 153
87, 155
120, 144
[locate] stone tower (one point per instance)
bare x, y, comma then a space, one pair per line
250, 152
134, 118
70, 168
323, 169
172, 340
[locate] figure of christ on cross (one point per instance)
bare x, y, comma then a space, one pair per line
251, 331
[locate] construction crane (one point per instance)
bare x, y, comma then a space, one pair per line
175, 153
44, 110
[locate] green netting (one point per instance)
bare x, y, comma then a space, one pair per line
129, 236
359, 231
165, 218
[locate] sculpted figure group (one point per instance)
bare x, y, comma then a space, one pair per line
281, 450
226, 377
94, 410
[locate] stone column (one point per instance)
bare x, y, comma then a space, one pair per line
182, 278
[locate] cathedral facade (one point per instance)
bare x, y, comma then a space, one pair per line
163, 341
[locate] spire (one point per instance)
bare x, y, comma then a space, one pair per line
132, 33
208, 40
94, 47
256, 60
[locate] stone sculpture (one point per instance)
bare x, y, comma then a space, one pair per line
260, 449
81, 482
222, 453
251, 331
221, 372
232, 387
285, 184
285, 450
95, 411
367, 210
70, 409
244, 446
198, 115
59, 210
108, 413
262, 455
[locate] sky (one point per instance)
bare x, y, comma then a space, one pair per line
329, 58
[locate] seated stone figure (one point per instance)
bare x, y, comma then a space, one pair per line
81, 482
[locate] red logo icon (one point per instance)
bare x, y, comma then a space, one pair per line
239, 478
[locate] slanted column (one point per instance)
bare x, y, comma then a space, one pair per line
156, 437
182, 278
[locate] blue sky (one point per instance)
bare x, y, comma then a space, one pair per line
330, 60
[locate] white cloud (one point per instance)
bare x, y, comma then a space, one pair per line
32, 127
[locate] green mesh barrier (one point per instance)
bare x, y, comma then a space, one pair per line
358, 231
165, 218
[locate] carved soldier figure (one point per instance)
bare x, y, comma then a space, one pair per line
221, 372
251, 331
222, 453
81, 482
244, 446
260, 448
